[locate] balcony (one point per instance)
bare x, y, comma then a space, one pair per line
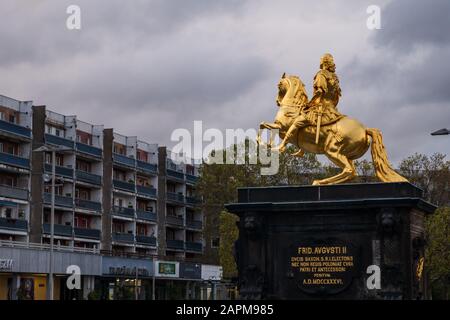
177, 197
15, 161
175, 174
61, 201
15, 129
122, 185
122, 211
146, 215
124, 160
192, 201
147, 240
89, 150
147, 167
89, 177
87, 233
194, 246
13, 192
123, 237
178, 221
60, 171
191, 178
59, 141
58, 229
194, 224
175, 244
146, 191
88, 204
14, 224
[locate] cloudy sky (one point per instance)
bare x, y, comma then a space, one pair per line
146, 68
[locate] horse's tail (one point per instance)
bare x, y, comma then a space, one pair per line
383, 169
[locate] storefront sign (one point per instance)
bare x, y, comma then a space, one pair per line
167, 269
212, 272
126, 271
125, 267
6, 264
190, 270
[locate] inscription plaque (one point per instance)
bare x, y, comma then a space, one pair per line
326, 267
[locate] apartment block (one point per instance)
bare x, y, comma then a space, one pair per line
116, 197
15, 161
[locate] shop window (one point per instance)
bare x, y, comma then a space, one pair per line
215, 242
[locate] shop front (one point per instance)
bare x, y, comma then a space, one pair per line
126, 279
24, 273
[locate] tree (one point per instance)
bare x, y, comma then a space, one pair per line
431, 174
228, 235
437, 253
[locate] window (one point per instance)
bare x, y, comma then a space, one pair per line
141, 229
8, 213
118, 228
82, 222
57, 132
12, 118
215, 243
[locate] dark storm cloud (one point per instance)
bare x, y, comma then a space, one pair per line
403, 83
411, 23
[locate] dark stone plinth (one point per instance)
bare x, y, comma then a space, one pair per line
317, 242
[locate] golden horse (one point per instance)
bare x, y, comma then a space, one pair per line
342, 140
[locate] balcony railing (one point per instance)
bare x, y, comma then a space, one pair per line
146, 215
87, 233
175, 174
90, 150
122, 185
179, 221
151, 241
146, 191
15, 129
194, 246
89, 177
177, 197
12, 192
59, 200
192, 200
15, 161
191, 178
122, 211
14, 224
147, 167
88, 204
43, 246
175, 244
123, 237
59, 229
122, 159
194, 224
59, 141
60, 171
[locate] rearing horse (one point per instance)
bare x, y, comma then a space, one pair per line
342, 140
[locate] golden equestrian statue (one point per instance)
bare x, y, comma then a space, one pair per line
317, 126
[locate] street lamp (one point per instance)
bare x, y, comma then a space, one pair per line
53, 150
441, 132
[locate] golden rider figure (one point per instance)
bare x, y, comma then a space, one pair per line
325, 99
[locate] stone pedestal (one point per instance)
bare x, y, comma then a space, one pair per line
349, 241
